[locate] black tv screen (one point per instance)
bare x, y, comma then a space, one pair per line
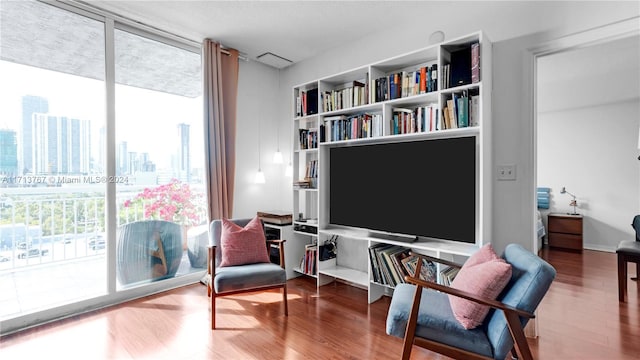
423, 188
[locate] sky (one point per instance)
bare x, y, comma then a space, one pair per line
146, 119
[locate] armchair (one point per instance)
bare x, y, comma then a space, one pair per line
228, 280
420, 312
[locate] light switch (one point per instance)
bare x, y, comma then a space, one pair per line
506, 172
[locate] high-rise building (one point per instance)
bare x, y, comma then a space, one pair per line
8, 152
122, 159
60, 145
183, 164
30, 105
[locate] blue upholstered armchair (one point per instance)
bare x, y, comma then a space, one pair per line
421, 313
230, 280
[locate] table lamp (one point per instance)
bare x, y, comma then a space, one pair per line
573, 202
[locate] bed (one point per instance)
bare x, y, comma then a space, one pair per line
540, 230
543, 195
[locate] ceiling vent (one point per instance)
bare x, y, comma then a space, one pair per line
274, 60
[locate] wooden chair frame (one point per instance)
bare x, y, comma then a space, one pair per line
212, 273
521, 347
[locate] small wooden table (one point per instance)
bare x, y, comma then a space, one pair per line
565, 231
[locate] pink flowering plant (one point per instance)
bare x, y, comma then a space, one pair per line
174, 201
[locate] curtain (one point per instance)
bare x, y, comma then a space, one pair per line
220, 72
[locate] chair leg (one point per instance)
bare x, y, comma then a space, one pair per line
622, 277
520, 341
514, 353
213, 310
284, 295
637, 272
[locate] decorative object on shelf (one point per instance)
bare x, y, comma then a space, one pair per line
573, 202
328, 250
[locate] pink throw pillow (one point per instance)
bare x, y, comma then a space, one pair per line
486, 279
486, 253
241, 246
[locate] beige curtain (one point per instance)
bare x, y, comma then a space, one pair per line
220, 100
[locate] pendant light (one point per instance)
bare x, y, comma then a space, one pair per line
259, 178
277, 157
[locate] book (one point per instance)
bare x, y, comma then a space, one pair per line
474, 110
460, 67
463, 110
312, 102
475, 63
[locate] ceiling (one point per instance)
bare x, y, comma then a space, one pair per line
298, 30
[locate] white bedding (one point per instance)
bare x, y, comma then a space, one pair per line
540, 226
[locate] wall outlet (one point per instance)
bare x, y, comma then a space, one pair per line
506, 172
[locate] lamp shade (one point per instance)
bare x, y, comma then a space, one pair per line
259, 179
277, 157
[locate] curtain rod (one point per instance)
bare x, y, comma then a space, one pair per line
86, 6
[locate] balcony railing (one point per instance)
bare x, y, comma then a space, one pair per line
48, 225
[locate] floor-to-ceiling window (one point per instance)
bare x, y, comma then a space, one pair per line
55, 143
159, 159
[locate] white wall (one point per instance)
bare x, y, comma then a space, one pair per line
258, 102
530, 24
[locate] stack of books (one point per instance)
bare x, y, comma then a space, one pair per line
302, 184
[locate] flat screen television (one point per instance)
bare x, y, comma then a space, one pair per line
422, 188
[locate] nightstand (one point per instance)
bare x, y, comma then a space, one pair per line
565, 231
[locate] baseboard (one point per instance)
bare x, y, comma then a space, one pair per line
598, 247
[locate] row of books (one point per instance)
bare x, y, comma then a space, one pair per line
308, 261
462, 110
391, 263
311, 170
354, 95
336, 128
463, 69
307, 102
406, 83
308, 138
415, 120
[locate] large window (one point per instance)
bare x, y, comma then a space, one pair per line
159, 160
57, 246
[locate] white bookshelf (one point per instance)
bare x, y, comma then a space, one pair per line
352, 263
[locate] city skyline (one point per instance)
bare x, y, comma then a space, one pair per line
146, 119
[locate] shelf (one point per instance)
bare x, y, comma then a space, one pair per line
303, 233
306, 117
448, 133
309, 190
347, 274
461, 88
302, 151
299, 271
449, 247
375, 107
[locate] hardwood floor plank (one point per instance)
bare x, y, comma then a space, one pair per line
580, 318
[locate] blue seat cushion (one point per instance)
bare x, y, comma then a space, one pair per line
435, 321
245, 277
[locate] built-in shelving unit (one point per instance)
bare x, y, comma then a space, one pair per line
361, 107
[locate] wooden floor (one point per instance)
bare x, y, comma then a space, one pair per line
580, 318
